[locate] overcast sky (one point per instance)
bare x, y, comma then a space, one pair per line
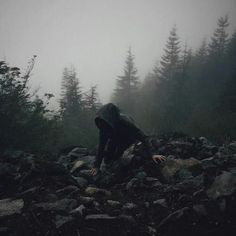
94, 35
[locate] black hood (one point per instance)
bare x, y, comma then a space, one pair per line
108, 113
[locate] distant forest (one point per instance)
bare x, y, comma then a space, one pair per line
188, 91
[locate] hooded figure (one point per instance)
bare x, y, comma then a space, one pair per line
117, 133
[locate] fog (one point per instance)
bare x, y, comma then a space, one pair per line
94, 36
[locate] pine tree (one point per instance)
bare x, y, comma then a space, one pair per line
170, 60
201, 53
219, 39
185, 59
91, 100
127, 85
71, 107
70, 102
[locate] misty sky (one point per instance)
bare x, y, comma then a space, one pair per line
94, 35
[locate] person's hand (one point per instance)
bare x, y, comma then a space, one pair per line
158, 158
94, 171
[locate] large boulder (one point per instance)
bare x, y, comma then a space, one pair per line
171, 167
223, 185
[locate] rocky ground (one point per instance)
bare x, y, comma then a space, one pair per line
192, 193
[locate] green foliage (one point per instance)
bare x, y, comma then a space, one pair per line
23, 121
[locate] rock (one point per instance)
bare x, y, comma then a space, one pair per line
174, 218
101, 218
160, 209
78, 165
141, 175
77, 152
170, 167
152, 231
82, 182
93, 191
86, 200
86, 174
182, 174
79, 211
133, 183
200, 210
50, 197
127, 219
208, 163
67, 190
191, 185
10, 207
223, 185
4, 231
151, 179
232, 147
129, 207
7, 169
62, 221
114, 204
203, 140
30, 192
161, 202
199, 194
64, 205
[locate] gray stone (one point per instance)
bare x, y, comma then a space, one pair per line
161, 202
93, 191
62, 221
171, 166
127, 219
67, 189
86, 200
65, 205
101, 218
200, 209
113, 203
180, 214
79, 211
129, 206
10, 207
141, 175
223, 185
232, 146
78, 165
82, 182
132, 183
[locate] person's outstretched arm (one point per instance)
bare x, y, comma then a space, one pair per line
144, 139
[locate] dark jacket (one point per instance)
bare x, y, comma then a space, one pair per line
119, 133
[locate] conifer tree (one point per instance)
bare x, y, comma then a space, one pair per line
71, 107
127, 85
219, 39
70, 93
170, 60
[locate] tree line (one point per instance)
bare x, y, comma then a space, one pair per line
188, 91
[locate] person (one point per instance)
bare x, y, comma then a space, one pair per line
117, 132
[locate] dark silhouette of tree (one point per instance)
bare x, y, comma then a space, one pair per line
71, 106
24, 121
170, 60
219, 39
70, 93
127, 85
91, 100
